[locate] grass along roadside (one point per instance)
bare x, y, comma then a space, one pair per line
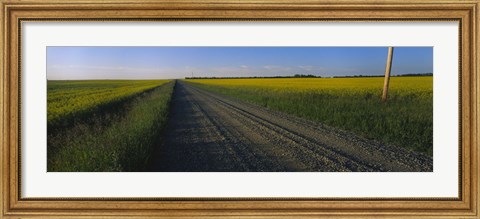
116, 141
352, 104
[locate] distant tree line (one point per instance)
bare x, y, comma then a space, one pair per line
418, 74
314, 76
305, 76
399, 75
358, 76
289, 76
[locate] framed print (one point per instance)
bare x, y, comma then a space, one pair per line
252, 109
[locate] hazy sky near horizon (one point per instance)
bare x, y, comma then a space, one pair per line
78, 63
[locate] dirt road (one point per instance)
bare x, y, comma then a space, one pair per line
211, 132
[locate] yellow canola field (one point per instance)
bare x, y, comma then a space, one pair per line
397, 84
68, 98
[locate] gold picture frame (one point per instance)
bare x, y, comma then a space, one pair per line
14, 12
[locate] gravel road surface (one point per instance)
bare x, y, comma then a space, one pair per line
208, 132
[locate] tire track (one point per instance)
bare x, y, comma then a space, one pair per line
292, 145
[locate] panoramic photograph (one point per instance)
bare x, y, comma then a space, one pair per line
239, 109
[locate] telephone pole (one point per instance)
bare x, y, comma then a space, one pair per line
388, 68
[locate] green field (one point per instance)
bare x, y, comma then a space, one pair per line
115, 123
352, 104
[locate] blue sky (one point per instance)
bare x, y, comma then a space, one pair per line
70, 63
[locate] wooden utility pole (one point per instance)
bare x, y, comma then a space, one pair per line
387, 74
